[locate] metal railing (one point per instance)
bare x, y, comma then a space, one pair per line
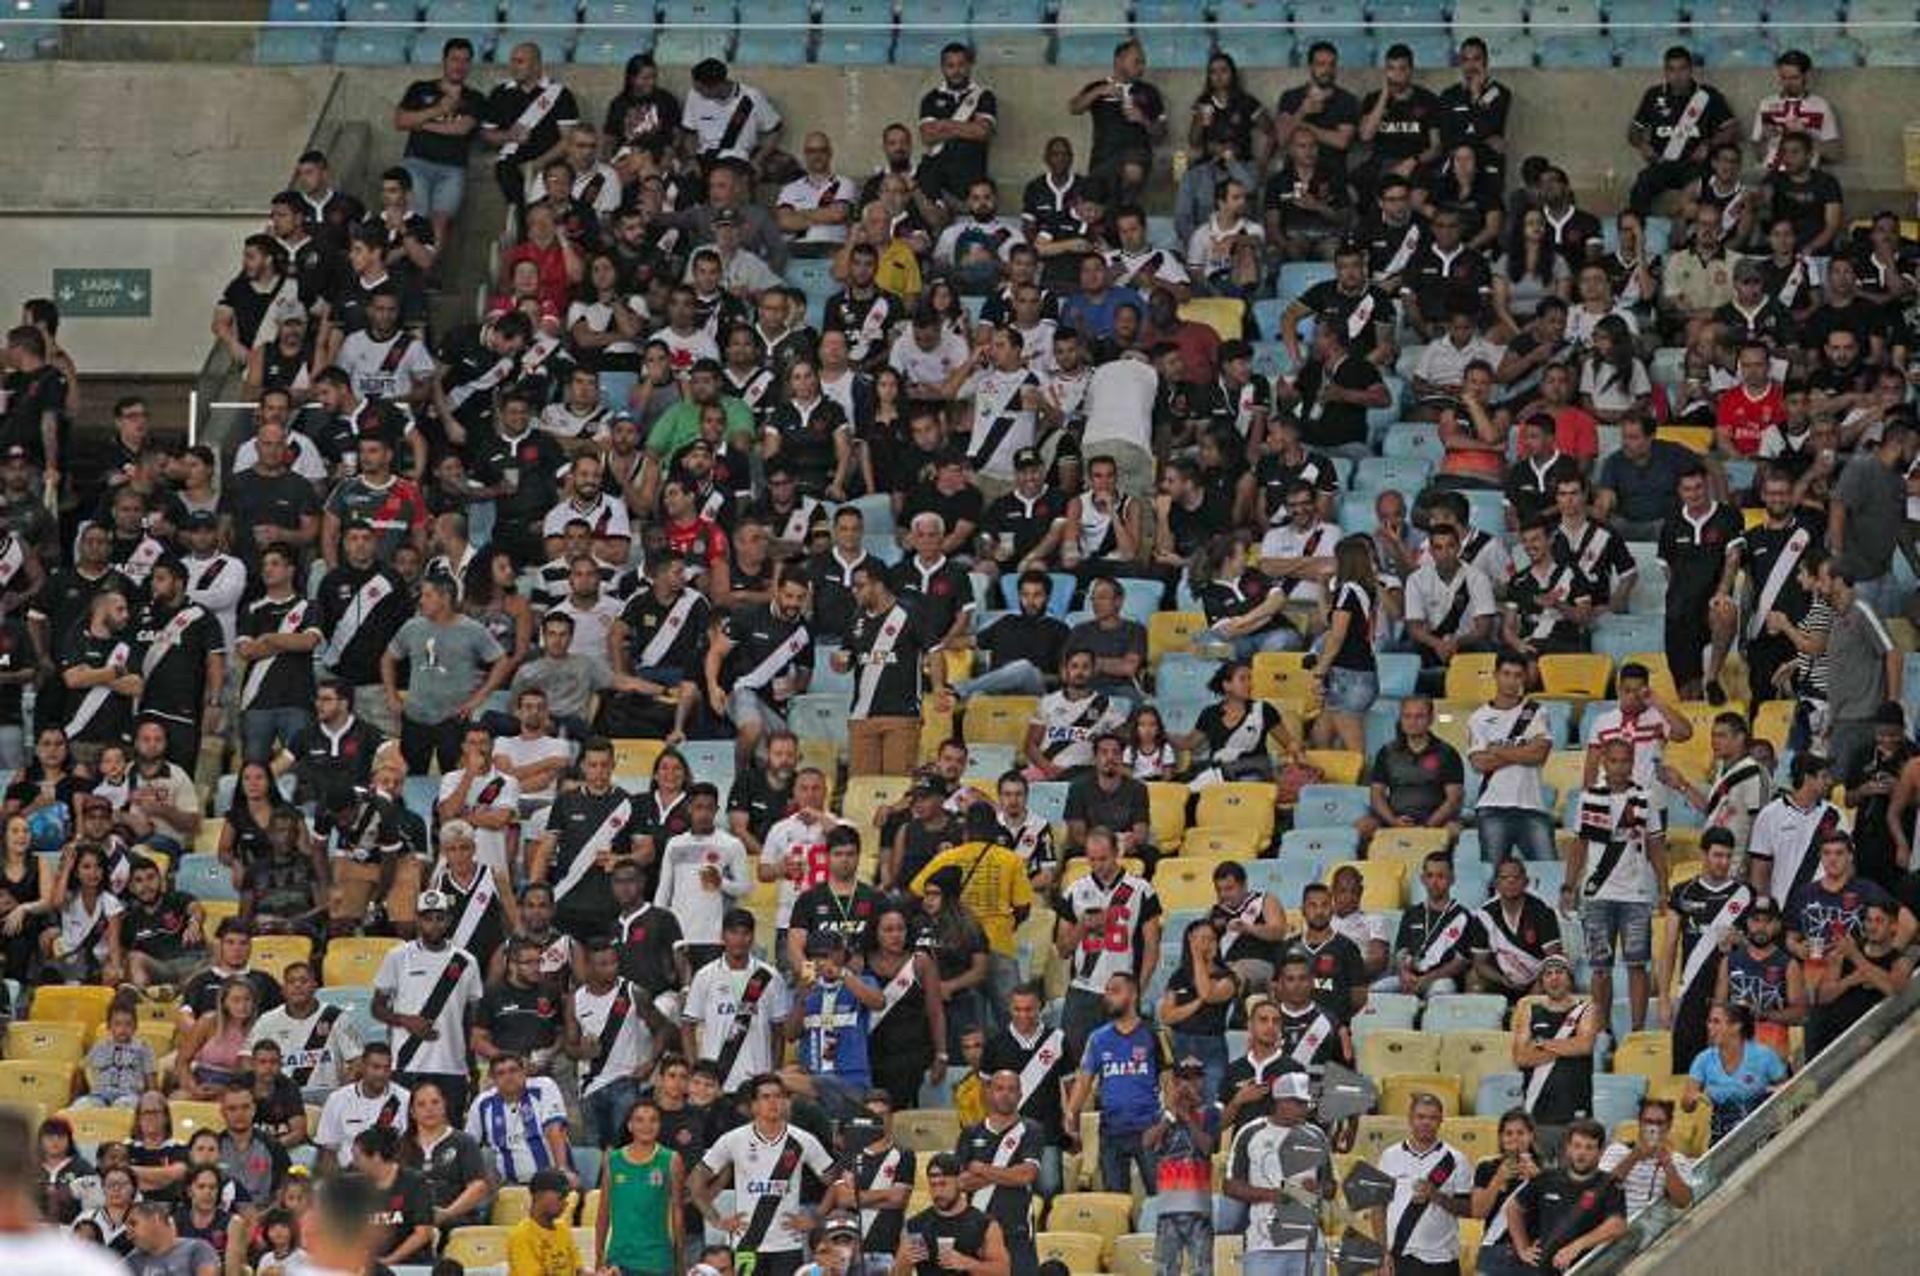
1768, 1121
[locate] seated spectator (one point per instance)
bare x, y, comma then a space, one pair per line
1119, 645
1650, 1169
1025, 645
1444, 362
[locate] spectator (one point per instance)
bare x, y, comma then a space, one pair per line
1507, 742
1569, 1210
1553, 1047
1519, 932
1735, 1073
1129, 118
1623, 830
1416, 779
1677, 124
1122, 1064
1432, 1190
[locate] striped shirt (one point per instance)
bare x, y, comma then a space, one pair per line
515, 1132
1810, 671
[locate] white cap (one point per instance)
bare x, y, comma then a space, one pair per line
433, 902
1293, 1085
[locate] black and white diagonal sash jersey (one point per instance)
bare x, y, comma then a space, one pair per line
1402, 253
1041, 1065
96, 696
305, 1059
534, 114
1734, 794
1615, 822
443, 988
1003, 1153
1443, 938
1712, 932
1778, 577
1009, 422
601, 839
1541, 1074
1413, 1211
755, 988
736, 122
375, 590
1081, 718
657, 647
618, 1012
1686, 128
877, 659
767, 1207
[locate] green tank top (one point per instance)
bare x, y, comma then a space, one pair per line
638, 1193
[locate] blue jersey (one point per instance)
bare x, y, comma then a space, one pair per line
1126, 1065
834, 1040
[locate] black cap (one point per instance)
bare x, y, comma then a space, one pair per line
1027, 458
725, 217
1890, 714
700, 443
841, 1223
824, 943
1190, 1067
199, 521
928, 786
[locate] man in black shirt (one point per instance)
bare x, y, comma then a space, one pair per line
1001, 1155
439, 118
336, 743
886, 647
762, 795
1335, 964
268, 502
589, 830
1111, 798
522, 464
1566, 1212
362, 604
957, 123
1025, 645
161, 929
520, 1013
1700, 542
1400, 121
100, 667
1334, 392
1129, 116
402, 1214
476, 361
1675, 129
527, 118
1331, 112
1023, 528
843, 906
34, 413
1188, 513
278, 633
183, 663
1365, 311
647, 938
1807, 196
1474, 110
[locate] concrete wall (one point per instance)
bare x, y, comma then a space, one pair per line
191, 258
1833, 1195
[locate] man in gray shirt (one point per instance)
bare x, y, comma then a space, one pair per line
159, 1251
1119, 645
1868, 509
1863, 665
453, 665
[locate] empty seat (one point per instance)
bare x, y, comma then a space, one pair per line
1450, 1012
1386, 1051
1331, 806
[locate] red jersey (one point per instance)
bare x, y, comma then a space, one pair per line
699, 537
1744, 420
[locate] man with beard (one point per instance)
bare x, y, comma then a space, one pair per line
183, 663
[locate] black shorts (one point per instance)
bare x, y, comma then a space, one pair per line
1686, 640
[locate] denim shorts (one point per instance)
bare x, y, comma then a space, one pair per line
438, 189
1601, 920
1351, 690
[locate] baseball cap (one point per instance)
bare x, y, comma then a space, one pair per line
1027, 458
199, 521
725, 217
1764, 905
433, 902
840, 1223
18, 453
1293, 1085
1190, 1067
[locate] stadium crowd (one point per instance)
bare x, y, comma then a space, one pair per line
840, 714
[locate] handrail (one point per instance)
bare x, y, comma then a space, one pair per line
1765, 1123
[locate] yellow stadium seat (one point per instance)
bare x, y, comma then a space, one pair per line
1472, 1230
1103, 1214
936, 728
1171, 631
1244, 804
999, 719
193, 1114
590, 1208
1752, 518
825, 756
1408, 846
72, 1003
1470, 676
1472, 1054
1133, 1255
1565, 770
1191, 886
1378, 1131
1382, 883
1076, 868
353, 960
52, 1041
99, 1125
1218, 843
1340, 766
274, 953
634, 758
1397, 1091
1695, 438
48, 1082
926, 1129
477, 1246
1575, 675
1167, 806
1080, 1251
510, 1205
1772, 720
1475, 1136
1645, 1054
1397, 1050
32, 1113
217, 911
1227, 1251
867, 794
1282, 676
1450, 720
1225, 315
1659, 675
206, 839
158, 1036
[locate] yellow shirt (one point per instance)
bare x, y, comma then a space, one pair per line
898, 272
992, 891
969, 1100
533, 1250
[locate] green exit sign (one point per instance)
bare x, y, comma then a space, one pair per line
105, 292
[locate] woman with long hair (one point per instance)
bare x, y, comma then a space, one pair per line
944, 301
450, 1159
1735, 1073
23, 907
55, 783
1495, 1179
85, 947
243, 838
602, 324
661, 812
909, 1033
491, 595
642, 114
947, 930
201, 1217
1345, 668
1530, 269
643, 1200
157, 1162
1613, 382
1199, 996
1245, 608
1234, 730
881, 439
1223, 111
214, 1054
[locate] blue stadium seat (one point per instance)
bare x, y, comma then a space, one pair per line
880, 547
1227, 12
1624, 15
372, 46
1086, 50
303, 11
1180, 713
1267, 876
992, 760
1894, 50
818, 716
1546, 878
1813, 15
1416, 439
1257, 48
1016, 46
1563, 17
1622, 636
1562, 51
1406, 474
876, 514
1399, 673
691, 44
1828, 49
1498, 1091
1390, 17
1048, 799
1616, 1097
1430, 48
543, 12
1178, 50
1166, 11
1323, 845
709, 760
293, 46
921, 48
603, 46
1058, 600
1472, 16
1008, 13
827, 680
1506, 48
1464, 1011
1330, 806
1736, 49
855, 32
1084, 13
555, 46
1181, 673
1641, 48
1298, 276
204, 877
622, 13
480, 14
380, 11
1388, 1011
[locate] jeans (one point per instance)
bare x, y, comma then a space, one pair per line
1208, 1049
1247, 646
1015, 678
1499, 1260
1080, 1014
606, 1110
1285, 1262
1003, 976
1506, 830
1118, 1153
1052, 1172
13, 747
261, 729
437, 188
1183, 1238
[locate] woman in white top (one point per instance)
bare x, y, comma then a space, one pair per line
1594, 301
1613, 382
603, 325
86, 943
